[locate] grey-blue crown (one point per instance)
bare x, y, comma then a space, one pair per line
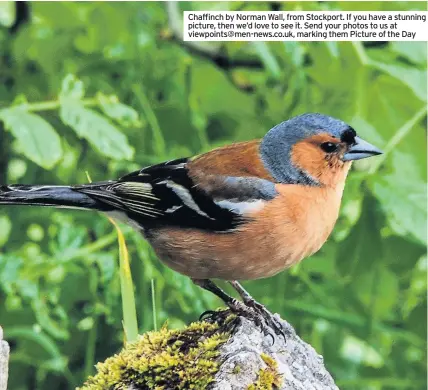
276, 145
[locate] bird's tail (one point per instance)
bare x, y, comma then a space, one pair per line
56, 196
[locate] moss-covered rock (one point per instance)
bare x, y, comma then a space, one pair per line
166, 359
221, 352
269, 378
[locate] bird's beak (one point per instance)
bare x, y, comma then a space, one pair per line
360, 149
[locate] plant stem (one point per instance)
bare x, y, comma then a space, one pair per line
94, 247
90, 349
4, 154
130, 324
54, 105
360, 52
152, 285
158, 139
398, 137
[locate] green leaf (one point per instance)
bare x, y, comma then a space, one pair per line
377, 290
124, 115
333, 48
130, 324
7, 13
45, 342
72, 88
359, 256
366, 130
296, 52
359, 351
62, 15
415, 79
55, 327
5, 228
37, 139
415, 52
268, 59
403, 196
99, 132
86, 324
418, 287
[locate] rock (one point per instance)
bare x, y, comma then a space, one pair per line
224, 352
249, 353
4, 360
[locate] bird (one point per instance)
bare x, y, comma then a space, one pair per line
243, 211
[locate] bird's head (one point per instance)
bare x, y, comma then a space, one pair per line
313, 149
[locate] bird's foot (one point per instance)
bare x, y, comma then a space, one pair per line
249, 309
214, 315
270, 320
223, 318
258, 314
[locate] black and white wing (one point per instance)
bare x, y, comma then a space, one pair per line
165, 194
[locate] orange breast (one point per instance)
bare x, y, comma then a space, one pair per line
289, 228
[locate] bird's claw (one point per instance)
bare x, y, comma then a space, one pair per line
262, 317
271, 321
207, 314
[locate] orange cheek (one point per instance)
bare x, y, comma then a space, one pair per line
309, 157
329, 170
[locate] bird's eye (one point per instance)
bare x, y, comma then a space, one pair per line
329, 147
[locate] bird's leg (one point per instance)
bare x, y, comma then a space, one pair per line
234, 305
243, 293
251, 309
260, 309
210, 286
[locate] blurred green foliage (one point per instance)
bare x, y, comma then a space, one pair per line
361, 301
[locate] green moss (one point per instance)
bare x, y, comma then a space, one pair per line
269, 378
166, 359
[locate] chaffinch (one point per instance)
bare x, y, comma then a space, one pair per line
242, 211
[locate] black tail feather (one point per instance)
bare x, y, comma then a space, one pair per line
56, 196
